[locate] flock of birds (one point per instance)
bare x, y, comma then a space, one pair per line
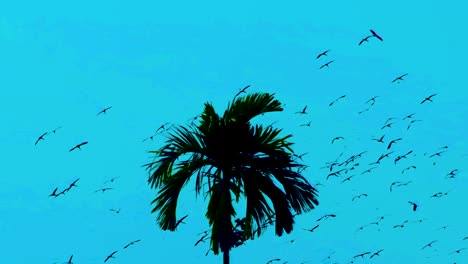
340, 168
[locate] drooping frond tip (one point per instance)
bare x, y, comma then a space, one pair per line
244, 108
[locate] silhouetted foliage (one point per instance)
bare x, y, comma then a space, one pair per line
235, 159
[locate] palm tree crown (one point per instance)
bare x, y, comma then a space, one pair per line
235, 159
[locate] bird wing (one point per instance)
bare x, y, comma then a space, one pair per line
376, 35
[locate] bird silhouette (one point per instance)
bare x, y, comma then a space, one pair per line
273, 260
303, 111
429, 244
372, 99
55, 130
408, 168
415, 206
312, 229
73, 184
348, 179
117, 211
307, 124
399, 78
54, 193
457, 251
376, 253
359, 196
429, 98
401, 225
41, 137
389, 125
326, 64
70, 260
78, 146
380, 140
325, 217
376, 35
323, 54
180, 221
409, 116
103, 189
334, 101
111, 180
366, 39
361, 255
110, 256
103, 111
162, 127
202, 239
392, 142
336, 138
412, 121
242, 91
131, 243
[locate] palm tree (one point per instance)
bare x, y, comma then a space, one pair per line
235, 159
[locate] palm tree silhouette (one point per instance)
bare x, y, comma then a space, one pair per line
233, 158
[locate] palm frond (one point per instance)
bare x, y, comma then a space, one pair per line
244, 108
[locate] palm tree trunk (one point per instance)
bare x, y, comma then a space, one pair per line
226, 257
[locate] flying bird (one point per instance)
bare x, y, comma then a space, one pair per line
457, 251
323, 54
111, 180
163, 126
362, 255
103, 111
40, 138
334, 101
415, 206
336, 138
73, 184
202, 239
359, 196
392, 142
409, 116
429, 244
312, 229
376, 254
78, 146
307, 124
131, 243
401, 225
115, 211
103, 189
70, 260
242, 91
399, 78
110, 256
54, 193
372, 99
376, 35
429, 98
180, 221
303, 111
412, 121
326, 64
387, 125
366, 39
348, 179
55, 130
326, 217
380, 140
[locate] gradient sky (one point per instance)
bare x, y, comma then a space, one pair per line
61, 62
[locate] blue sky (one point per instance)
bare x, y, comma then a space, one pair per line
63, 62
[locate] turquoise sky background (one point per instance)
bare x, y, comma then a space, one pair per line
62, 62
